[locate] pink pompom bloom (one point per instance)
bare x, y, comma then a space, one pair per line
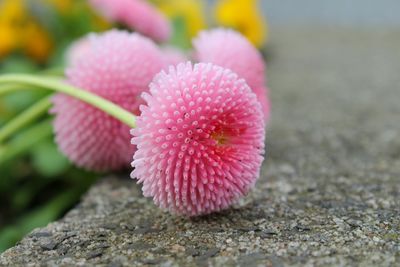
229, 49
136, 14
200, 139
117, 66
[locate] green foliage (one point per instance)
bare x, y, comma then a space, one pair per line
180, 37
17, 63
30, 165
47, 160
37, 183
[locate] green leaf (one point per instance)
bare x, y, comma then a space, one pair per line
48, 161
25, 141
18, 64
18, 101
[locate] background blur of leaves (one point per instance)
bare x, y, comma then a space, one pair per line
37, 183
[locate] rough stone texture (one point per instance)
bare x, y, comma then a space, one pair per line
329, 192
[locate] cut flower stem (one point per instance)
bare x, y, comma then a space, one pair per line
31, 81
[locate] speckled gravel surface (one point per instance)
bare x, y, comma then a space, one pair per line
329, 194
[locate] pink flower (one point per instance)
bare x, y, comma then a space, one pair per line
117, 66
136, 14
200, 139
229, 49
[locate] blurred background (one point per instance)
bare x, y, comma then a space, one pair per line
37, 183
350, 13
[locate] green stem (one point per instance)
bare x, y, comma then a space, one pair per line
58, 86
25, 118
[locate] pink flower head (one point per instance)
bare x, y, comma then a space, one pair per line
200, 139
229, 49
117, 66
136, 14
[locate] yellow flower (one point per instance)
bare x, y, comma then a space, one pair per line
191, 11
244, 16
36, 42
8, 40
19, 31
